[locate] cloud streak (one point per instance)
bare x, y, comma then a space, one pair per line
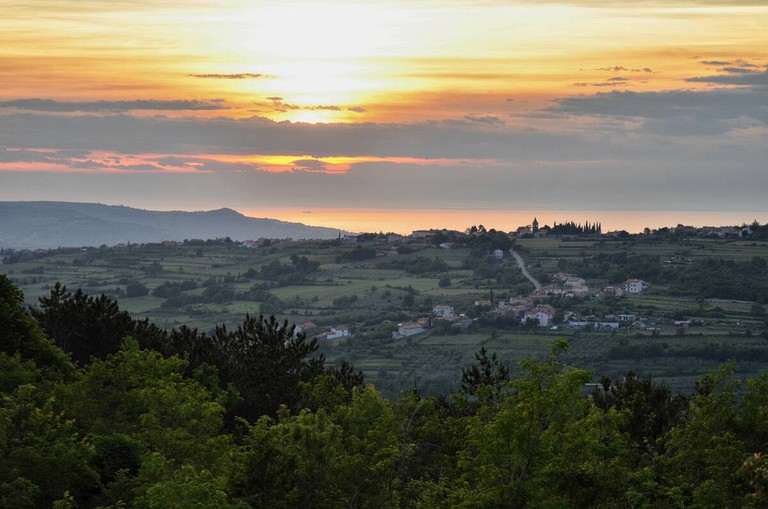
51, 105
693, 113
236, 76
277, 104
621, 68
736, 76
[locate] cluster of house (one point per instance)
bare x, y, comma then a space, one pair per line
565, 285
533, 308
439, 312
529, 309
713, 231
630, 287
330, 333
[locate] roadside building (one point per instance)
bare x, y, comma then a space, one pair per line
543, 313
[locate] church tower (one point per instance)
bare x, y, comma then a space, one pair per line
535, 225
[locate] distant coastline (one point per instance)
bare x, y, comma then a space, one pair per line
404, 221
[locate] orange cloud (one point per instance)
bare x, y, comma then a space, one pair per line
49, 160
339, 165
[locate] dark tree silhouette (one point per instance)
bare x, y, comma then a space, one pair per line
486, 372
265, 361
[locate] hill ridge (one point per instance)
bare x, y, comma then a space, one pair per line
51, 224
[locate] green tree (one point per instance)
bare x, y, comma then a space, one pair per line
136, 289
21, 336
42, 455
703, 454
83, 325
186, 487
488, 372
542, 444
145, 396
266, 361
374, 448
294, 462
652, 410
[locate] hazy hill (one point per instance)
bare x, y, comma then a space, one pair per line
44, 224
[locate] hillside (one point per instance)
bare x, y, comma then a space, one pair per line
53, 224
677, 331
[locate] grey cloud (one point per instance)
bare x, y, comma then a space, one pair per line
743, 63
36, 156
620, 68
739, 62
687, 126
674, 183
610, 83
310, 164
277, 104
487, 119
173, 161
705, 112
738, 77
135, 167
22, 156
611, 138
257, 135
592, 167
51, 105
737, 70
90, 164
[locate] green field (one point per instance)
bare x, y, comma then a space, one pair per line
373, 295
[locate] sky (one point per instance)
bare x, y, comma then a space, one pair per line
305, 109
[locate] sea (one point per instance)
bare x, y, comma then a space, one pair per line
405, 221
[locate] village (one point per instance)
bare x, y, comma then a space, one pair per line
531, 311
534, 310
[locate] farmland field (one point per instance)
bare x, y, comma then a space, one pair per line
374, 285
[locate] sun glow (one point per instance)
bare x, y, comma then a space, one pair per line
311, 30
398, 61
315, 54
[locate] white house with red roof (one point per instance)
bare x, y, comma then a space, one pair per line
543, 313
405, 330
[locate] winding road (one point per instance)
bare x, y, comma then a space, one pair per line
521, 264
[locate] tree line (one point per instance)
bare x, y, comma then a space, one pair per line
98, 409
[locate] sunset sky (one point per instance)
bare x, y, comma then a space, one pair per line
295, 109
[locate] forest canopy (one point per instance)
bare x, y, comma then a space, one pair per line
98, 409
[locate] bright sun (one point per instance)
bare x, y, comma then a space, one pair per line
312, 116
312, 31
316, 55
